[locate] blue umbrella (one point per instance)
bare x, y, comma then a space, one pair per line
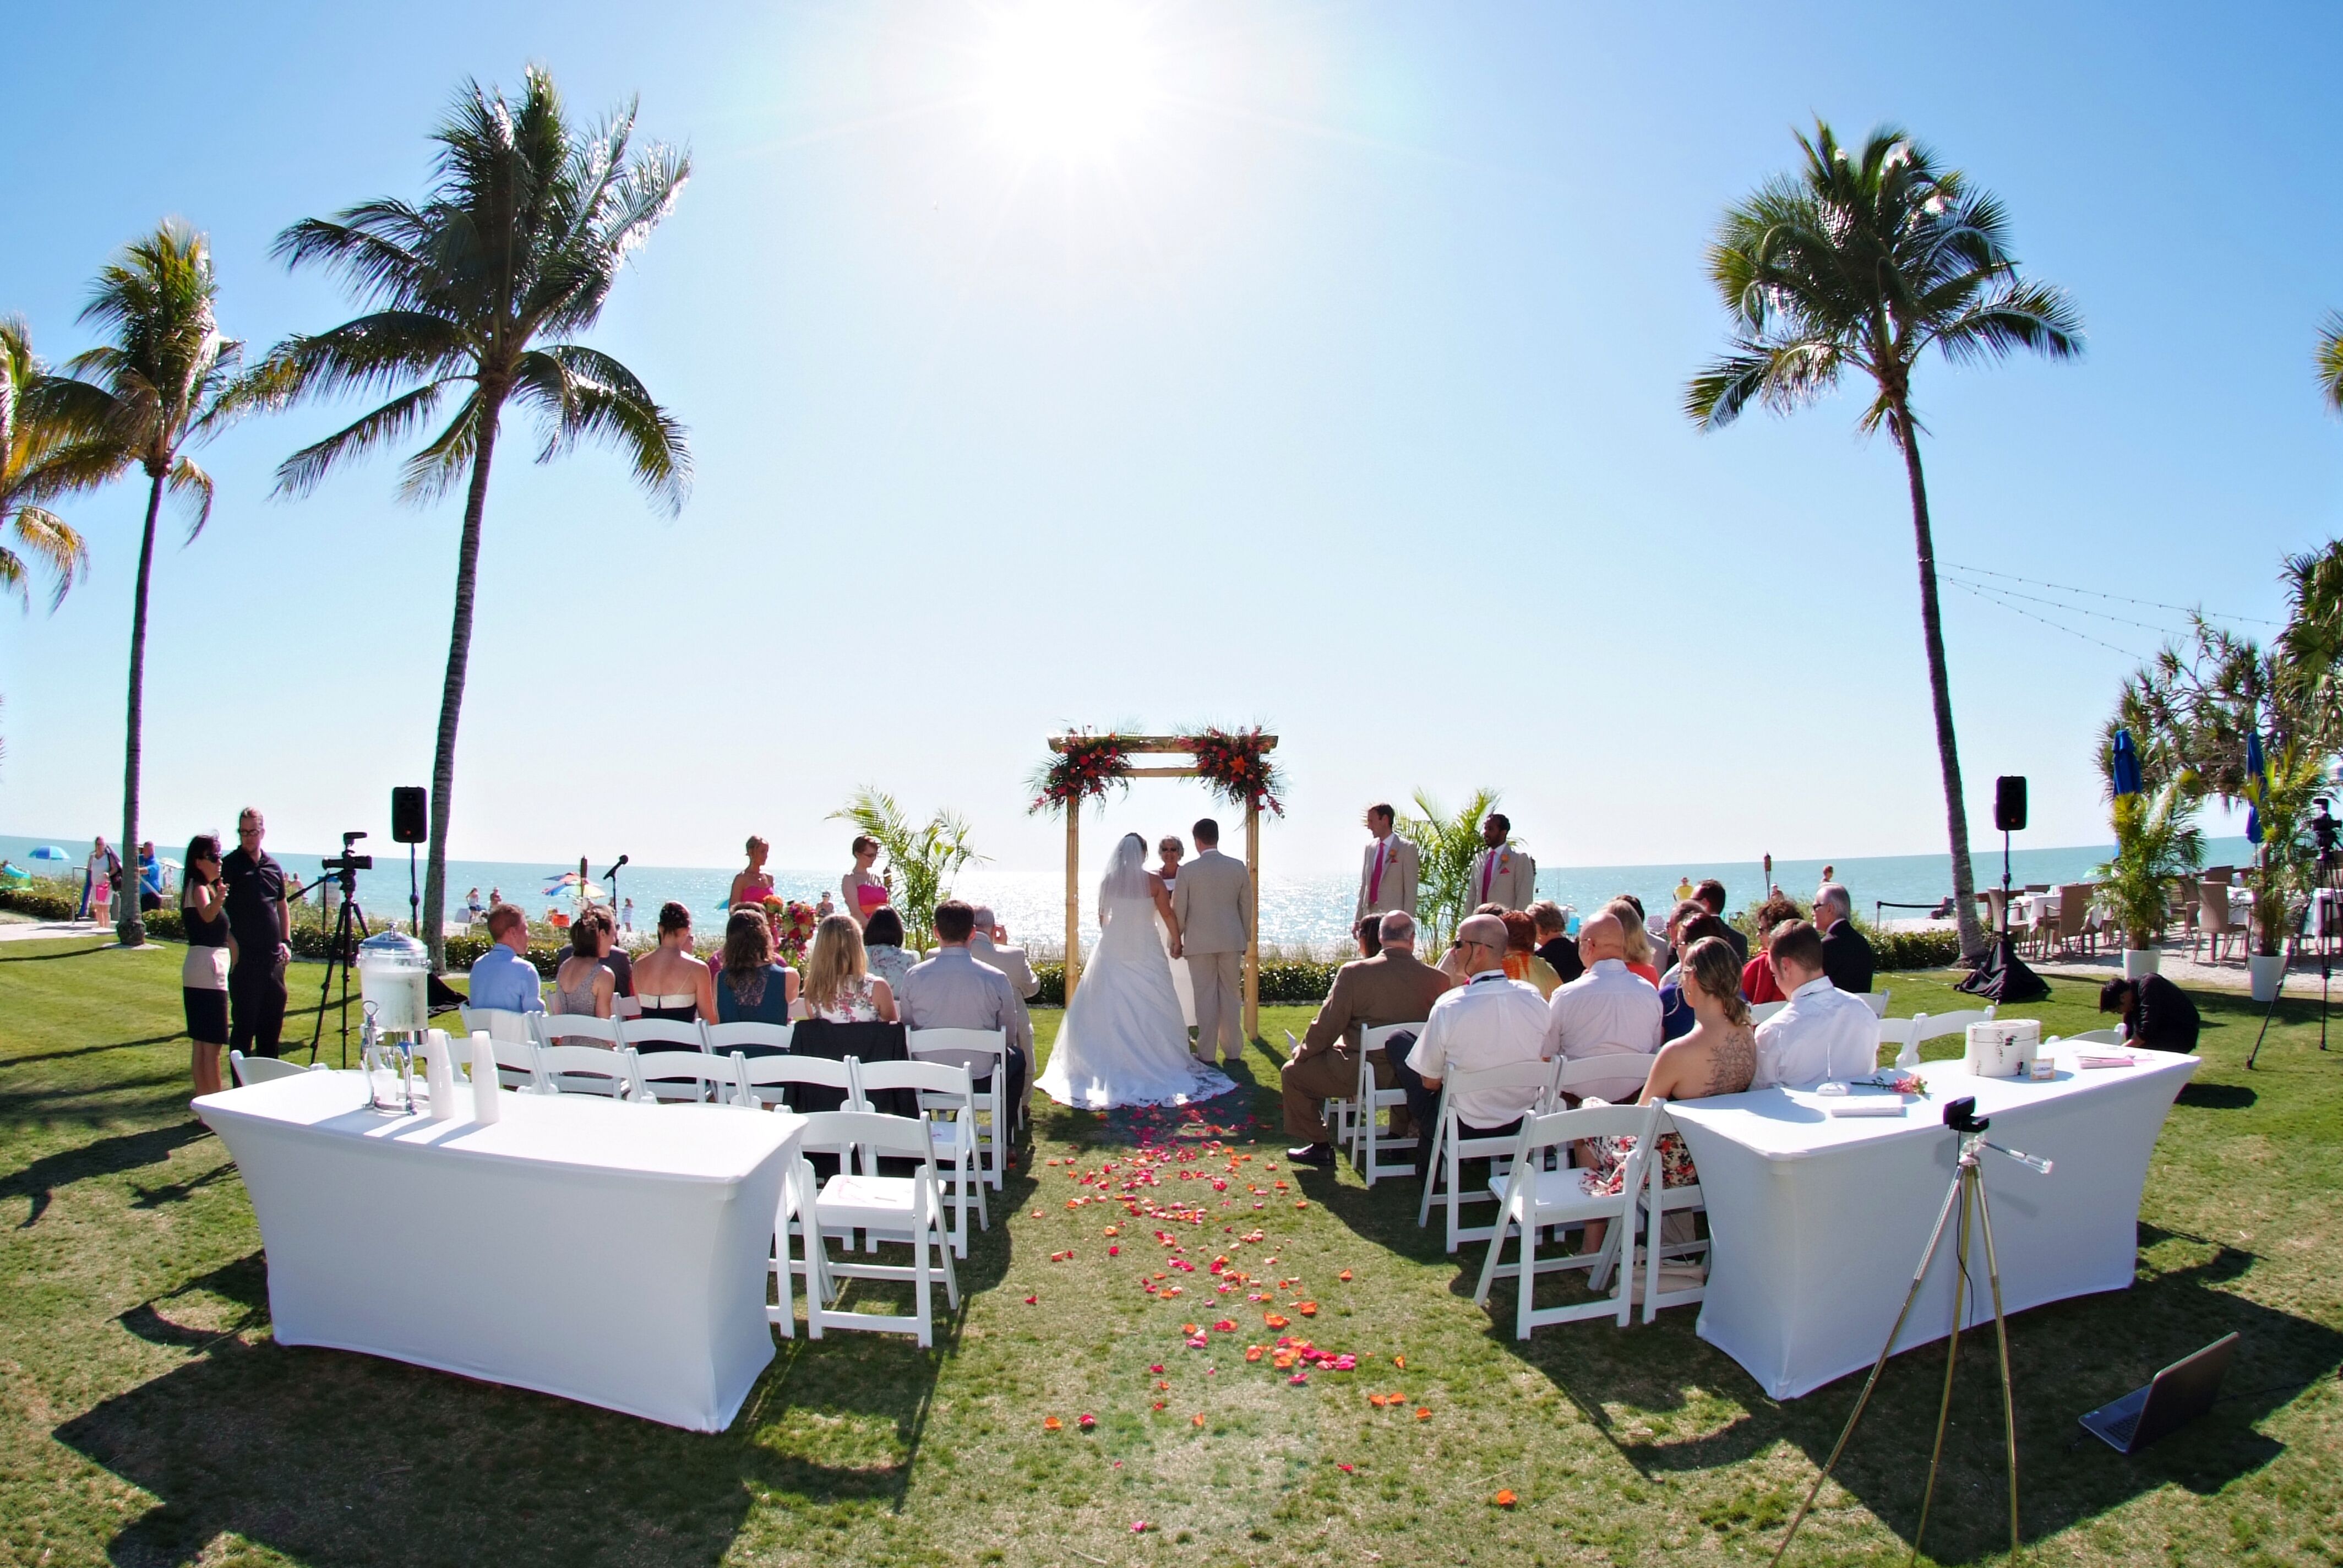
2257, 783
2126, 765
47, 852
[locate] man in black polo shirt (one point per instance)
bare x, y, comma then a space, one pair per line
261, 929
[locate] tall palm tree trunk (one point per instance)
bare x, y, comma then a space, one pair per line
132, 923
451, 696
1940, 694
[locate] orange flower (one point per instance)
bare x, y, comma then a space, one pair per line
1277, 1321
1051, 1423
1506, 1499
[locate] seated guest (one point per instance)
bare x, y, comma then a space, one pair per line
503, 976
1555, 945
1824, 1032
2155, 1013
672, 983
989, 944
584, 984
1685, 909
1609, 1011
1847, 956
1711, 891
1365, 935
1392, 987
1719, 1056
1488, 1022
1522, 961
1675, 1009
840, 987
1635, 940
952, 990
752, 988
882, 947
621, 965
1758, 982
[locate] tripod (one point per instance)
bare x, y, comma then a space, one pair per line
338, 950
1967, 1189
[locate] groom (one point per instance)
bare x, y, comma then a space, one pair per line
1213, 902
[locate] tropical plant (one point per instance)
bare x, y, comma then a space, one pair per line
1446, 844
2330, 361
2157, 843
167, 381
528, 220
2310, 647
1865, 260
40, 460
926, 857
2280, 798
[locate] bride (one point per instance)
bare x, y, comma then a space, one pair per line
1123, 1041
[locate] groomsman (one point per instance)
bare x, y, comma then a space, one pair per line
1213, 902
1502, 874
1387, 879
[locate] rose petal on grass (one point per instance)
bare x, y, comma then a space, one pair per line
1051, 1423
1031, 1300
1399, 1361
1197, 1419
1344, 1276
1086, 1421
1298, 1378
1345, 1469
1276, 1319
1140, 1527
1505, 1498
1422, 1415
1157, 1368
1252, 1352
1307, 1309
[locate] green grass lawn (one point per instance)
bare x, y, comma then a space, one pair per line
151, 1419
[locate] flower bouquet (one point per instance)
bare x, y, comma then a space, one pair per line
1085, 766
1237, 767
793, 925
1900, 1081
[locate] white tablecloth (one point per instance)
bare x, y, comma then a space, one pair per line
606, 1252
1817, 1221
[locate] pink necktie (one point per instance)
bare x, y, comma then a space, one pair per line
1487, 866
1376, 882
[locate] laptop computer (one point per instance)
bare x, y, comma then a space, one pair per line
2179, 1394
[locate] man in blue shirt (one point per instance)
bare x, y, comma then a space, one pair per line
504, 977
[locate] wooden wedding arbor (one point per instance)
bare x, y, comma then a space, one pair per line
1166, 745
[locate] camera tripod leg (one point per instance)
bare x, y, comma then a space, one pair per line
1964, 1177
2001, 1336
2268, 1014
1919, 1275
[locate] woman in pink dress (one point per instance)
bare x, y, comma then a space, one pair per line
751, 886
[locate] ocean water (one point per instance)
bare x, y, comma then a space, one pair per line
1311, 911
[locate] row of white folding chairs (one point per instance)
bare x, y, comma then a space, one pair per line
984, 1052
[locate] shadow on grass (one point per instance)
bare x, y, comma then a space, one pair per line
95, 946
107, 1157
2216, 1096
1644, 1392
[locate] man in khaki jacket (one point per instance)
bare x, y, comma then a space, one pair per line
1387, 878
1503, 872
1213, 902
1391, 988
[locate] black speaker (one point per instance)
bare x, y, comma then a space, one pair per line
410, 820
2009, 804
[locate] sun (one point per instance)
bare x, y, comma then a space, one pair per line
1072, 77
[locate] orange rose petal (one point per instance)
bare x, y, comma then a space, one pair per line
1399, 1361
1197, 1419
1424, 1415
1308, 1309
1252, 1352
1344, 1276
1506, 1499
1051, 1423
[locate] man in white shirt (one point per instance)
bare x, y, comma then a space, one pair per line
1387, 878
1502, 874
1609, 1011
1823, 1033
1488, 1022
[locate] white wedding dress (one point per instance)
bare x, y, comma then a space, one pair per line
1123, 1041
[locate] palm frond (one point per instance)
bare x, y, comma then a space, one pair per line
193, 486
50, 540
587, 395
306, 468
2330, 360
438, 466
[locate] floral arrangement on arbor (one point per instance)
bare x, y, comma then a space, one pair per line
1081, 769
1236, 766
793, 925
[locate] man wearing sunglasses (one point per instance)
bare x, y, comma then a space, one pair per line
1488, 1022
260, 935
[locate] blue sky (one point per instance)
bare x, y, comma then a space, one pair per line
1340, 392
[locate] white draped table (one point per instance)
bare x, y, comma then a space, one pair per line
605, 1253
1817, 1221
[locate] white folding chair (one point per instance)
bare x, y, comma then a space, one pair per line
726, 1038
1928, 1026
1533, 1082
560, 1028
1660, 1200
985, 1053
1608, 1071
651, 1037
1877, 1001
690, 1077
897, 1207
1370, 1140
499, 1023
515, 1062
582, 1070
948, 1101
763, 1078
246, 1070
1535, 1199
661, 1034
2092, 1037
1760, 1012
1899, 1034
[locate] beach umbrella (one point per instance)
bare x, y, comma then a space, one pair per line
47, 852
2126, 765
2256, 784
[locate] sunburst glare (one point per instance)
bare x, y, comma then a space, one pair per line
1067, 77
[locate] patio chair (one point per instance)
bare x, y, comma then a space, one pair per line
1532, 1198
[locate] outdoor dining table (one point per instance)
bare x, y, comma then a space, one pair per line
608, 1253
1817, 1221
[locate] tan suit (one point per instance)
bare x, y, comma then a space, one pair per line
1392, 988
1213, 902
1023, 982
1397, 888
1512, 878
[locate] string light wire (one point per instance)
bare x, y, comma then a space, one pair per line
2119, 599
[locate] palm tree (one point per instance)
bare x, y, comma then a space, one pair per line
167, 381
1446, 843
526, 224
929, 855
2330, 361
1866, 259
39, 461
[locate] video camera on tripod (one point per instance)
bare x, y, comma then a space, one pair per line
345, 866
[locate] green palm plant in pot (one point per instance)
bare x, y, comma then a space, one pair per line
1446, 843
2281, 800
2157, 844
